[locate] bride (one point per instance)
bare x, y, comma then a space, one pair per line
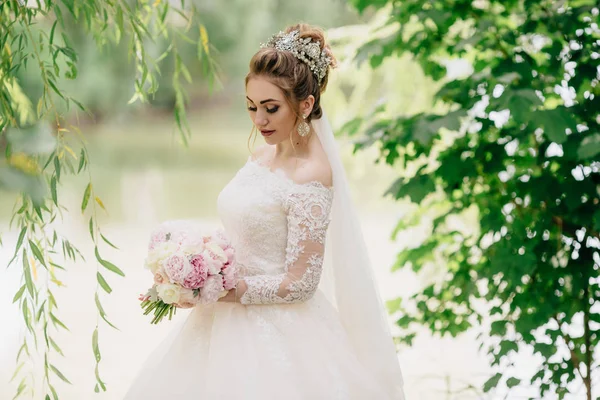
305, 320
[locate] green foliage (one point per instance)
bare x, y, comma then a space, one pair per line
528, 273
40, 147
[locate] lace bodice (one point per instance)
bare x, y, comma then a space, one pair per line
277, 228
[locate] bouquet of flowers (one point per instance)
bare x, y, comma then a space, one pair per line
188, 267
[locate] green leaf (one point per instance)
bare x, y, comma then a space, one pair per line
53, 190
520, 102
55, 347
102, 312
555, 122
52, 31
57, 168
416, 188
19, 294
27, 274
492, 382
37, 253
95, 347
103, 283
108, 265
91, 226
590, 146
59, 374
108, 242
56, 89
54, 394
81, 160
58, 322
20, 240
512, 382
86, 197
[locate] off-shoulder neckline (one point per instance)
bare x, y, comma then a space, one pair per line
281, 173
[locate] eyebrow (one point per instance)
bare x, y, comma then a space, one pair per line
263, 101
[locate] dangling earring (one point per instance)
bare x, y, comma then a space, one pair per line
303, 128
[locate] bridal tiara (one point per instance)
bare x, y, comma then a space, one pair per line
303, 49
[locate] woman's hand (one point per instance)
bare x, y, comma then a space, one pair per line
184, 304
229, 297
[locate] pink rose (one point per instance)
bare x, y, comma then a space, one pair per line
187, 296
198, 275
177, 267
160, 277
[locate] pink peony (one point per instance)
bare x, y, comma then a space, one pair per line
230, 255
212, 290
177, 267
229, 276
156, 238
198, 275
221, 239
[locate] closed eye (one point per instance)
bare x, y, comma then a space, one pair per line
272, 110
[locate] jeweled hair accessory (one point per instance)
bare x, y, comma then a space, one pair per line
303, 49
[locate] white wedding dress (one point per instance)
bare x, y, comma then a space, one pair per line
286, 340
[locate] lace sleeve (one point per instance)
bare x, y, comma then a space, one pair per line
308, 218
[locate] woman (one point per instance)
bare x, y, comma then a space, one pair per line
283, 333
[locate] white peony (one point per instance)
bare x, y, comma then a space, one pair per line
157, 255
216, 252
169, 293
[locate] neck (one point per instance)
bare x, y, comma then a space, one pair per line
285, 150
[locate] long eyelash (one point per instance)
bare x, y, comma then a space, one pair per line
252, 108
272, 110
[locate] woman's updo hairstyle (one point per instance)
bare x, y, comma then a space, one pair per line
292, 75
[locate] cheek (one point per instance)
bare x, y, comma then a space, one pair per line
285, 119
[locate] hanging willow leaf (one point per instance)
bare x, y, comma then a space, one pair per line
103, 283
53, 190
81, 160
108, 265
58, 322
59, 374
19, 294
20, 240
108, 242
101, 311
86, 197
91, 226
56, 347
37, 253
95, 347
27, 274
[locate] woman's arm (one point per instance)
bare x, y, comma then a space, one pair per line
308, 218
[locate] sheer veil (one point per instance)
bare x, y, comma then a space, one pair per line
348, 278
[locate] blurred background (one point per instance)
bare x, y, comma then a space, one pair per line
141, 165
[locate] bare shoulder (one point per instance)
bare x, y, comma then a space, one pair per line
316, 169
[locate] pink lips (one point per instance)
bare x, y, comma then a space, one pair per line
266, 132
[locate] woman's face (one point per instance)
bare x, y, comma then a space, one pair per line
269, 110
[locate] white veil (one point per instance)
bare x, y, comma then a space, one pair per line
352, 287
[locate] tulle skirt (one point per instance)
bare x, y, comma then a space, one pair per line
232, 351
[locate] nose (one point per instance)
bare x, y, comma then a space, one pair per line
260, 119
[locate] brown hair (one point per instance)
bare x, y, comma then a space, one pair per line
291, 75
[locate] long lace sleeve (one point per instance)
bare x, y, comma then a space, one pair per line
307, 218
